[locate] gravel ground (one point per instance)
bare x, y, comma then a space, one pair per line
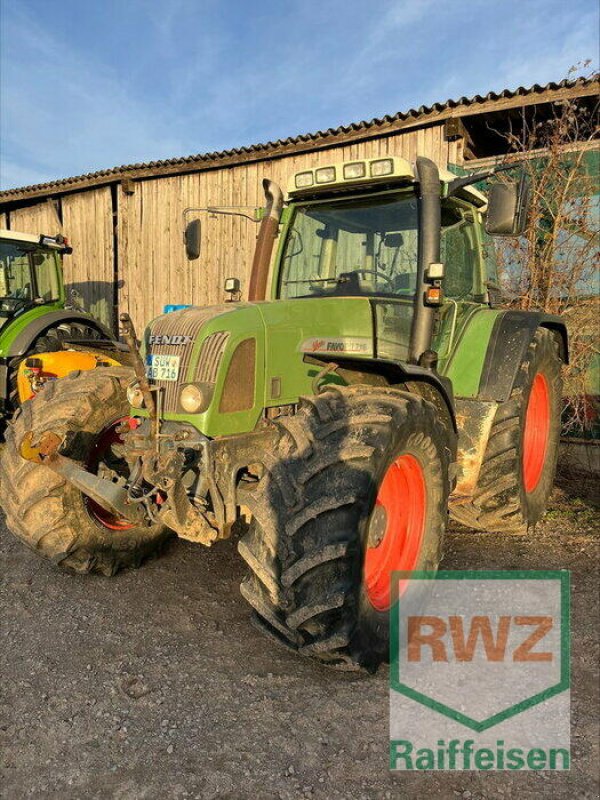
154, 684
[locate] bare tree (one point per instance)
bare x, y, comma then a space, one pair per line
554, 265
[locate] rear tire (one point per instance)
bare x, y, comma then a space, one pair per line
519, 464
46, 512
313, 520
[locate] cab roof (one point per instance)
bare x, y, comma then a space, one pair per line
367, 172
33, 238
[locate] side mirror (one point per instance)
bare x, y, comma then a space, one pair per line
192, 238
508, 204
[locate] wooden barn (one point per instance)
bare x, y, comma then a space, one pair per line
126, 224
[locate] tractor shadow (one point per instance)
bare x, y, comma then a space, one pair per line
97, 298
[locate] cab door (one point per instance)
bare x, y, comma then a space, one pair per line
464, 283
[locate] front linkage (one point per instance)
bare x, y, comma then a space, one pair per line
176, 476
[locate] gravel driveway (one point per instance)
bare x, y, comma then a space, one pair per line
154, 684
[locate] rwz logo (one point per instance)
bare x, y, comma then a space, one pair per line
432, 632
169, 339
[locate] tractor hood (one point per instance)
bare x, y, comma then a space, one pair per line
251, 356
295, 330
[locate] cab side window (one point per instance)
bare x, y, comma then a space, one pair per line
458, 252
19, 270
47, 279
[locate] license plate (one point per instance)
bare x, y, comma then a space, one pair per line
162, 368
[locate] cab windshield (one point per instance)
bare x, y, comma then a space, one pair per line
28, 274
365, 246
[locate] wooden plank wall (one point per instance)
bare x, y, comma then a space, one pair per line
90, 269
38, 218
151, 264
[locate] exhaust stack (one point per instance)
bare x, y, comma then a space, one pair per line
430, 224
269, 228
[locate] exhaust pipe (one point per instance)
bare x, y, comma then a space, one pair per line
267, 233
430, 225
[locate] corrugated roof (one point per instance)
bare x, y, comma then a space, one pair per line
463, 105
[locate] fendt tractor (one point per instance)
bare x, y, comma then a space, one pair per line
378, 387
36, 323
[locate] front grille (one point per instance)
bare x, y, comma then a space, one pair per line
210, 357
188, 322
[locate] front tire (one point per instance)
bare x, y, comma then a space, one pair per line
48, 513
319, 580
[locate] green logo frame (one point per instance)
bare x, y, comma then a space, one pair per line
565, 642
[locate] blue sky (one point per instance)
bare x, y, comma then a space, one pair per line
91, 84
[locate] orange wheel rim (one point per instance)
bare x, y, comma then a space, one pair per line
399, 512
536, 432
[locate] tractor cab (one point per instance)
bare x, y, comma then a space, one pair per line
30, 272
353, 230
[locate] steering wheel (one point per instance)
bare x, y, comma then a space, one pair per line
375, 272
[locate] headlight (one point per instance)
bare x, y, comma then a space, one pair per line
135, 396
192, 398
304, 179
325, 174
385, 166
357, 170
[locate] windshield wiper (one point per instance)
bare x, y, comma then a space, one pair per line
311, 280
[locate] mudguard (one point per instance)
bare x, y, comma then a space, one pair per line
397, 372
511, 336
23, 341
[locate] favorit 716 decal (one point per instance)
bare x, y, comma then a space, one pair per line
344, 344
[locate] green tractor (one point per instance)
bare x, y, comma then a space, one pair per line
34, 316
378, 387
